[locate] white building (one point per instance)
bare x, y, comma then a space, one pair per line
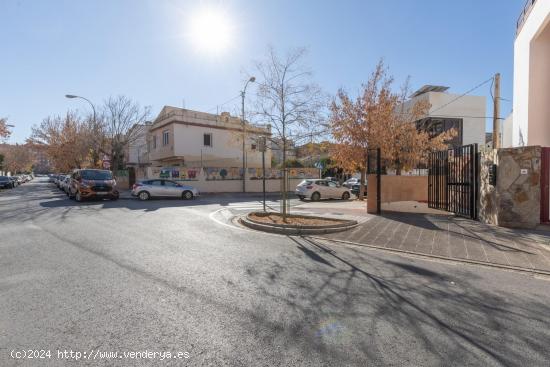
183, 138
466, 114
531, 116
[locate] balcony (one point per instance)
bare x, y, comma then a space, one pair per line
524, 15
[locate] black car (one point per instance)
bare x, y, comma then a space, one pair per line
355, 189
6, 182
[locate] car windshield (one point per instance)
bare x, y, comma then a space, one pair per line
306, 182
96, 175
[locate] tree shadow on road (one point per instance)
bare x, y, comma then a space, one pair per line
351, 306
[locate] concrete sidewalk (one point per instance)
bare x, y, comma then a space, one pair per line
449, 237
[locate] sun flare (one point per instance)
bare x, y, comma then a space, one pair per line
210, 30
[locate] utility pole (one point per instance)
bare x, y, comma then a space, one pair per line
496, 113
244, 142
243, 94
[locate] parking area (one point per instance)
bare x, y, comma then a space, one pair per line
454, 238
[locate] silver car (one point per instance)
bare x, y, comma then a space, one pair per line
321, 189
145, 190
64, 182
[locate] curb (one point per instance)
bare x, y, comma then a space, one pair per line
295, 231
430, 256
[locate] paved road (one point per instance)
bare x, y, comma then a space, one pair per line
163, 276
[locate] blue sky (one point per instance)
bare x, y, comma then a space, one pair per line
140, 48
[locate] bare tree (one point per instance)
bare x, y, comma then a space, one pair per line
4, 132
120, 115
288, 100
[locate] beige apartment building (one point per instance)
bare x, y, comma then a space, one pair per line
184, 138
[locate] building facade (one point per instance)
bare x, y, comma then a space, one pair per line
466, 114
531, 116
184, 138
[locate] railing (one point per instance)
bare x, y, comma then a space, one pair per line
182, 116
524, 14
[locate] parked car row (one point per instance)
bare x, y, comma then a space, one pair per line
84, 184
10, 182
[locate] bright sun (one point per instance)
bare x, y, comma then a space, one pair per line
210, 30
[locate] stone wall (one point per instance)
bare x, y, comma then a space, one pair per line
515, 200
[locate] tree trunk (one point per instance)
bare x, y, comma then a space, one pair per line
284, 177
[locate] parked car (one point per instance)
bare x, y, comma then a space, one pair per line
92, 183
57, 179
321, 189
357, 187
145, 190
65, 183
6, 183
15, 181
350, 182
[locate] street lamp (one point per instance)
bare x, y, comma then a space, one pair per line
71, 96
243, 93
86, 99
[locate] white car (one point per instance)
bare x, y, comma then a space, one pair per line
321, 189
352, 181
145, 190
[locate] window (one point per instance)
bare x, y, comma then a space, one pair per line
253, 146
156, 183
154, 142
435, 126
100, 175
207, 139
165, 137
332, 184
170, 184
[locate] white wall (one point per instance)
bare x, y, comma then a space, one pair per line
532, 79
506, 129
473, 127
226, 149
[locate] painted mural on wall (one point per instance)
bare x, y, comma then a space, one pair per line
217, 174
176, 173
275, 174
227, 173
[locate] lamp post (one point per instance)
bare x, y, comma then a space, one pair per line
87, 100
243, 93
71, 96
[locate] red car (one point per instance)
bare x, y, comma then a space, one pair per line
92, 183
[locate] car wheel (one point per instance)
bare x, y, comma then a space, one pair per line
187, 195
315, 196
301, 198
345, 196
144, 195
78, 197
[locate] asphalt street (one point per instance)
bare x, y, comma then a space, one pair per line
176, 276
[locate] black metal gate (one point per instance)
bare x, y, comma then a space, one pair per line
453, 181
